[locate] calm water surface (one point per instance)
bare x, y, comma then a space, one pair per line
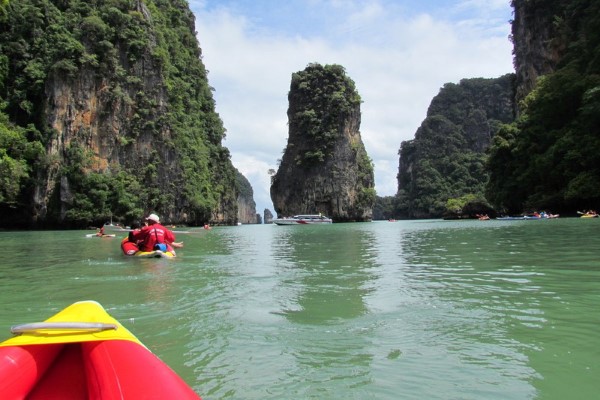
404, 310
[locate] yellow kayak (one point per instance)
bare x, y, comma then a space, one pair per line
84, 353
131, 249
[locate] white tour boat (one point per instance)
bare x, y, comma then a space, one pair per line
303, 220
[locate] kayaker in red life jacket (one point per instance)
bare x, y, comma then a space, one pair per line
153, 234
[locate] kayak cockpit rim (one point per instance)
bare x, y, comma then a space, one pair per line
68, 326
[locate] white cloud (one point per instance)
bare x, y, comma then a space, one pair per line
398, 59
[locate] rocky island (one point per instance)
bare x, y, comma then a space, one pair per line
325, 167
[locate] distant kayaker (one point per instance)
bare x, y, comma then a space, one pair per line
150, 237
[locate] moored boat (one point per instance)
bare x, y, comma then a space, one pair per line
84, 353
305, 219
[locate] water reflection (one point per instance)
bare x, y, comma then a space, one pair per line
325, 279
328, 272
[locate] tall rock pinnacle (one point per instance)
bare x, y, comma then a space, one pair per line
325, 167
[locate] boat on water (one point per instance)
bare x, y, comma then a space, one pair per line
535, 216
83, 353
129, 248
522, 217
550, 216
307, 219
91, 235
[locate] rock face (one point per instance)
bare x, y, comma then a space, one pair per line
446, 159
325, 168
268, 216
538, 44
118, 97
246, 205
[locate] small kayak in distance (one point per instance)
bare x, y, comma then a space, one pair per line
91, 235
84, 353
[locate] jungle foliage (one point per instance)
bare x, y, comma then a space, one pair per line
42, 39
384, 208
549, 158
324, 96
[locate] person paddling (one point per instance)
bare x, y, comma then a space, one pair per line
152, 236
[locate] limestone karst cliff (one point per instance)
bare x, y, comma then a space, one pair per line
325, 168
268, 216
446, 159
115, 101
245, 203
544, 160
537, 42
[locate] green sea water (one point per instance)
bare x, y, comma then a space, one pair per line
384, 310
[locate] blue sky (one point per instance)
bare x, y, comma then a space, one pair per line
399, 53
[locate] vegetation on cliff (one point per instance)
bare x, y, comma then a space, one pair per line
323, 97
325, 167
550, 157
446, 160
142, 62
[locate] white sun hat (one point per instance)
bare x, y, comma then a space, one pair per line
153, 217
